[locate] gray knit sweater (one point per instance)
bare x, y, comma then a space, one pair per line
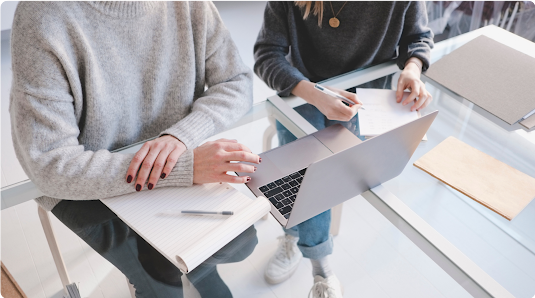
290, 49
89, 78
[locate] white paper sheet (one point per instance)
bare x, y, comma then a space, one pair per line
382, 113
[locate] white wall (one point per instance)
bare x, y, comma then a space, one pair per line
8, 11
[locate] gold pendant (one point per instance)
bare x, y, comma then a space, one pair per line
334, 22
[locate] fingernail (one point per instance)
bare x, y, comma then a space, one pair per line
129, 179
259, 160
248, 179
138, 187
150, 186
254, 169
162, 175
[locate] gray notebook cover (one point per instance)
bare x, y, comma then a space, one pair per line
493, 76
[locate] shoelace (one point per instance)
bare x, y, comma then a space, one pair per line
321, 290
286, 248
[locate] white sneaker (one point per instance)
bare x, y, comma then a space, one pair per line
329, 287
285, 261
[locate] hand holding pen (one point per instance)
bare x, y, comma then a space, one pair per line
345, 100
331, 106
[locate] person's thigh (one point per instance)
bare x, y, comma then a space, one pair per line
205, 277
115, 241
315, 230
310, 113
151, 273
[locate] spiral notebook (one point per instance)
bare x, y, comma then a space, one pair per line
187, 240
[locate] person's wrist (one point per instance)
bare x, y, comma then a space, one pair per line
414, 64
303, 89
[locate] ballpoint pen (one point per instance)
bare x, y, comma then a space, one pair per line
340, 97
199, 212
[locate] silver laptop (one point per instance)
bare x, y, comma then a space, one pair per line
315, 173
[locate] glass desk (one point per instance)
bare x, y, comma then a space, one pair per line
371, 257
485, 253
451, 247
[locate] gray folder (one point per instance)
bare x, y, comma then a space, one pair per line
493, 76
529, 123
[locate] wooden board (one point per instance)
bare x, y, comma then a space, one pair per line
490, 182
10, 288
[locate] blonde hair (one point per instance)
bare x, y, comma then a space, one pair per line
317, 10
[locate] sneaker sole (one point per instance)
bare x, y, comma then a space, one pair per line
271, 281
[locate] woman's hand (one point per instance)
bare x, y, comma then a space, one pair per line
155, 158
410, 79
212, 161
331, 107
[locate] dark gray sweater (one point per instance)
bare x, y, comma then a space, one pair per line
289, 49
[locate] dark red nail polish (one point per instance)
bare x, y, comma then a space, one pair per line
254, 169
138, 187
162, 175
248, 179
129, 179
150, 186
259, 160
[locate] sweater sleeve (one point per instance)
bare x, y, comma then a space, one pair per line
228, 95
45, 127
417, 37
271, 48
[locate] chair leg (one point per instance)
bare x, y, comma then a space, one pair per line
336, 219
54, 248
269, 133
131, 288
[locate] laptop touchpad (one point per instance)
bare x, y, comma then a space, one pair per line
298, 154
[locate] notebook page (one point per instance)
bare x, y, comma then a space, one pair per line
205, 247
146, 213
382, 113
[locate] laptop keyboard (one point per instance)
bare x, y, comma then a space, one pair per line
282, 192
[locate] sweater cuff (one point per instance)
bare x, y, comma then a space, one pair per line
182, 173
191, 130
422, 56
294, 79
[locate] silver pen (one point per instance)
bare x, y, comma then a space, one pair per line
527, 115
340, 97
202, 212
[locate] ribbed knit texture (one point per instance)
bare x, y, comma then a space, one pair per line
89, 78
123, 9
289, 49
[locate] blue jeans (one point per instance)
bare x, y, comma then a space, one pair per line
152, 275
315, 241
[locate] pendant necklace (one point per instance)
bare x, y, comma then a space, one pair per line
334, 22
